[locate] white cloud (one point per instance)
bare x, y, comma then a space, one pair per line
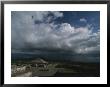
83, 20
57, 14
49, 35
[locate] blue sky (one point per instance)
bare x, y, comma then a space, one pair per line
71, 33
91, 18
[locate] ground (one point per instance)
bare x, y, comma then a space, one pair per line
58, 69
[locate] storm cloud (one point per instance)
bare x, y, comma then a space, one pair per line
39, 31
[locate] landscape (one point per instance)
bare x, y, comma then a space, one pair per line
40, 68
55, 44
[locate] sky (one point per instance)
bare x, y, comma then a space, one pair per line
70, 35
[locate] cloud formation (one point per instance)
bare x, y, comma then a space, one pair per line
37, 30
83, 20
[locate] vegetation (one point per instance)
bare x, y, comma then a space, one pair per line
60, 69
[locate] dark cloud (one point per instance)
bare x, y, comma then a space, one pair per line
36, 31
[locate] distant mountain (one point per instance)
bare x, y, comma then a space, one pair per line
57, 56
